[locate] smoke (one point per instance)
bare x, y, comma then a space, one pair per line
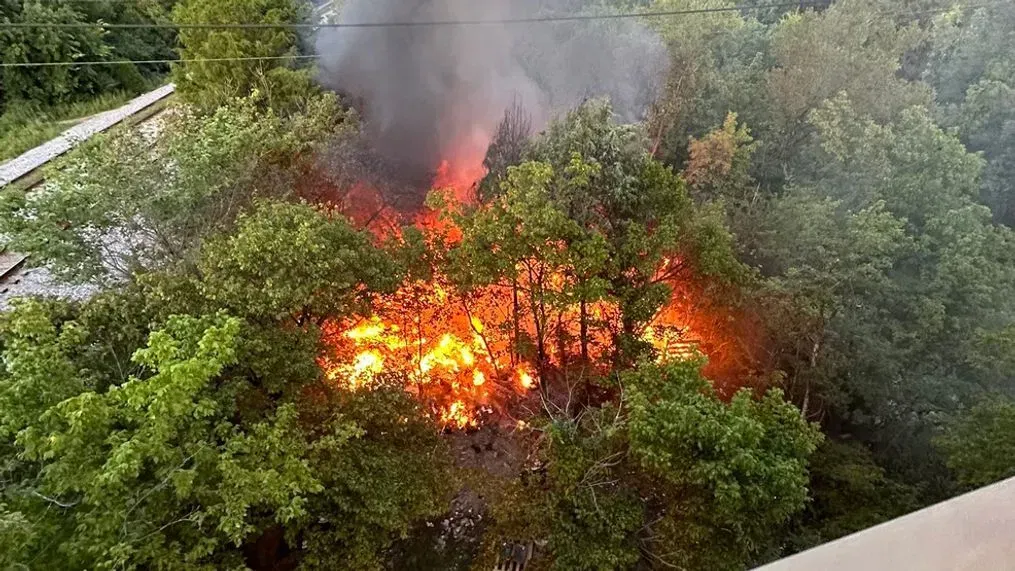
439, 91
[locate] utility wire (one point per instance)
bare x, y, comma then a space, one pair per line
912, 12
404, 24
480, 22
154, 61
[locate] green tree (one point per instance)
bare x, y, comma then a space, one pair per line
52, 84
967, 46
889, 273
209, 85
37, 87
973, 74
524, 241
849, 492
824, 269
851, 48
674, 476
724, 460
640, 208
718, 164
590, 217
253, 272
126, 204
219, 444
179, 464
395, 474
979, 443
718, 63
162, 442
986, 122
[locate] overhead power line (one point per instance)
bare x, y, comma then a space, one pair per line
154, 61
477, 22
408, 24
428, 23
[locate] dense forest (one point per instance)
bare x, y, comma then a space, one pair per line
348, 317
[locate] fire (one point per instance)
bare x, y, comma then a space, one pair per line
467, 354
525, 380
365, 331
670, 343
458, 415
460, 180
424, 334
368, 362
458, 352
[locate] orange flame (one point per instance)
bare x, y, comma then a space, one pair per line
458, 353
445, 352
525, 380
463, 354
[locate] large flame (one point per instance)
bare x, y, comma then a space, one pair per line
436, 343
469, 355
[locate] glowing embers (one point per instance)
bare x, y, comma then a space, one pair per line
468, 354
436, 345
526, 381
464, 355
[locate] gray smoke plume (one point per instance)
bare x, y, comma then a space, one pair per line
435, 92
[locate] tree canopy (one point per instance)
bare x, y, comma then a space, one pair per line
272, 65
44, 86
778, 309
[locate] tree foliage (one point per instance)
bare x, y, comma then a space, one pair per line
277, 75
835, 177
849, 492
129, 203
978, 444
947, 272
251, 272
674, 476
39, 87
718, 63
591, 217
974, 77
869, 142
180, 463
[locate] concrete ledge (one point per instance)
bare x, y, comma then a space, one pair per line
30, 161
973, 532
9, 262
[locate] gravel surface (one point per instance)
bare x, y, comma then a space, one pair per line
38, 282
33, 281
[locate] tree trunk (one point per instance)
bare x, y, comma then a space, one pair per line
583, 330
514, 315
539, 323
561, 340
807, 386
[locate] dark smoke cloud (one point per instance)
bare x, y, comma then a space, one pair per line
435, 92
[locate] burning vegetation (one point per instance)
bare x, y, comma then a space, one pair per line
541, 345
467, 355
510, 299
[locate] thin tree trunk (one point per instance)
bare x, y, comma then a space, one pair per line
807, 387
515, 312
583, 330
482, 337
538, 308
561, 339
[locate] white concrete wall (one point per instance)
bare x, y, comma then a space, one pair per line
973, 532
